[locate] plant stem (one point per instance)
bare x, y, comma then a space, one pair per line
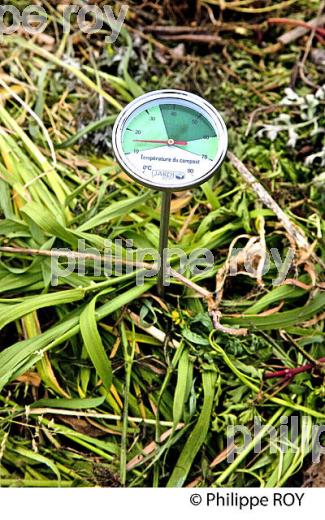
288, 373
128, 358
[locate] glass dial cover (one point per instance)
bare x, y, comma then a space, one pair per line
170, 140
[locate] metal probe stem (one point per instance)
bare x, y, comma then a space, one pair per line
163, 240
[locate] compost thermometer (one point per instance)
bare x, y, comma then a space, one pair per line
169, 140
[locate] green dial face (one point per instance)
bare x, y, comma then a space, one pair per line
169, 143
189, 130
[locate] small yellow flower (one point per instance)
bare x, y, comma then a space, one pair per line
177, 318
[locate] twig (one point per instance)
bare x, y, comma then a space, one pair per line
207, 295
296, 33
72, 255
297, 23
103, 258
291, 36
174, 29
183, 29
294, 232
252, 115
196, 38
76, 413
238, 6
301, 65
167, 50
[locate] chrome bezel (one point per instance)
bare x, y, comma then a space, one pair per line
170, 94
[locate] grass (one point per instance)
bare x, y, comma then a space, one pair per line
103, 383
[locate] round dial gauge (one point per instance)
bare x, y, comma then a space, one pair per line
170, 140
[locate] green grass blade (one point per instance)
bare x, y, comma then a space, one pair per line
69, 404
94, 344
198, 434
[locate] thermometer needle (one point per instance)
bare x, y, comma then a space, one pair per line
169, 141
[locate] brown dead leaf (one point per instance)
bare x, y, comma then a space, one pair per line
297, 283
313, 321
150, 448
29, 378
180, 201
82, 426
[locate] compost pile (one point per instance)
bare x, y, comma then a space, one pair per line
103, 383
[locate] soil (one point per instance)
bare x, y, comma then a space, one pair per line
315, 475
